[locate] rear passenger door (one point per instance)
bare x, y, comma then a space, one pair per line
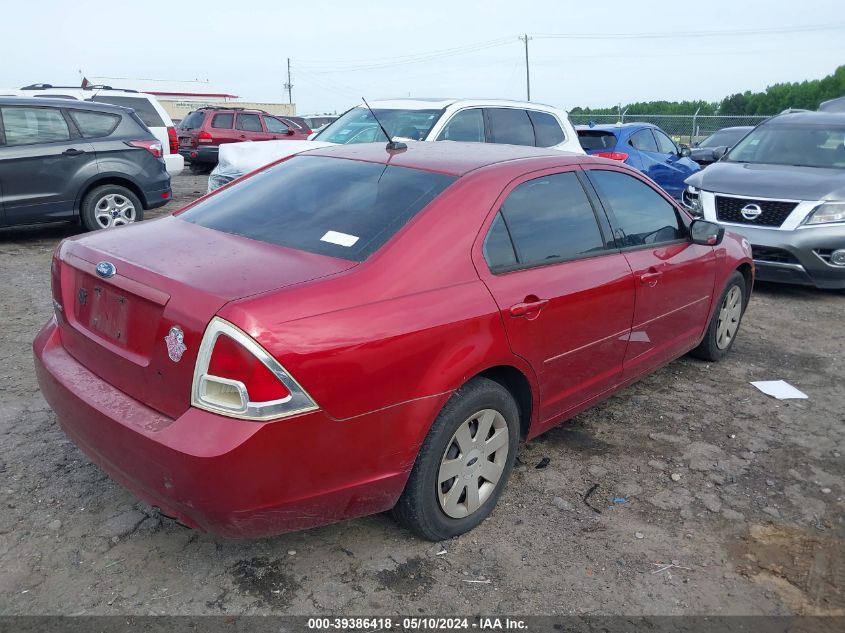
222, 128
249, 128
42, 164
565, 294
674, 277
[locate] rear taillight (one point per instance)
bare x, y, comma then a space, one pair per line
204, 137
613, 155
173, 140
153, 147
235, 376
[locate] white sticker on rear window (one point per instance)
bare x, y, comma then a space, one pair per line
341, 239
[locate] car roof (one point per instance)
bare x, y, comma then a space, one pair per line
735, 127
447, 157
62, 103
808, 118
438, 103
610, 127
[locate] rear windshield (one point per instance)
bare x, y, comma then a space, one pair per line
796, 145
141, 105
596, 139
194, 120
329, 206
359, 126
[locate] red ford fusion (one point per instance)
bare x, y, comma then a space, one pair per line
356, 329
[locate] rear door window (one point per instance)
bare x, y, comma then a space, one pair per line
94, 124
466, 125
548, 219
28, 126
547, 130
643, 140
249, 123
643, 215
335, 207
510, 125
222, 121
142, 106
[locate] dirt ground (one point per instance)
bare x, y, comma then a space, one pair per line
692, 467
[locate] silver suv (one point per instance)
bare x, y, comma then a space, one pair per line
783, 188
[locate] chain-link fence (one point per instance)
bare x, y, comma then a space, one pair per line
683, 128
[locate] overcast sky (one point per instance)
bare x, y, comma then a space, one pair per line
341, 50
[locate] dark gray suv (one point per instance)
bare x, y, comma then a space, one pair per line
62, 159
782, 187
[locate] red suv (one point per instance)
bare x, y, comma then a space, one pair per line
354, 329
203, 131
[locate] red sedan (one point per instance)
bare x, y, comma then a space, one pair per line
355, 329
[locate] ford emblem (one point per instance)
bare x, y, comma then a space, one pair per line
106, 269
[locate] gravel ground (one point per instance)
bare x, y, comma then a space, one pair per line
691, 467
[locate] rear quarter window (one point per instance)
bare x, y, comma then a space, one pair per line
94, 124
142, 106
336, 207
547, 129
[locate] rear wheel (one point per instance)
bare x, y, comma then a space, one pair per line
110, 205
464, 463
724, 325
201, 168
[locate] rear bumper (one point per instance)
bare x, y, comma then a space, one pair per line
800, 263
234, 478
200, 154
157, 197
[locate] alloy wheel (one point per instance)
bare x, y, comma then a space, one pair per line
114, 209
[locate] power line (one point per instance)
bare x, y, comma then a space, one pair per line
688, 34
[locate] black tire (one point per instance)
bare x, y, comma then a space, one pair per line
709, 348
419, 508
88, 210
201, 168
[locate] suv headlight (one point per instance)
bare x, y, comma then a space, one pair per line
692, 199
826, 213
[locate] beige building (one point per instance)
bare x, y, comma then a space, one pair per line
180, 97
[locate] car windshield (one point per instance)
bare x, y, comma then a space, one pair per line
793, 144
359, 126
329, 206
723, 138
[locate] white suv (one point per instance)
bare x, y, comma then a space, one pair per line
475, 120
146, 106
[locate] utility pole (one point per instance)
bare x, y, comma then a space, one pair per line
525, 39
289, 85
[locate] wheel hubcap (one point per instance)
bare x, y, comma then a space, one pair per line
472, 463
729, 315
114, 210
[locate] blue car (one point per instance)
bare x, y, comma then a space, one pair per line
645, 147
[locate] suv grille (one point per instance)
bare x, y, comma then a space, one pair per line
774, 212
777, 255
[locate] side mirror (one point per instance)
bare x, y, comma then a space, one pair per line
685, 151
706, 233
719, 152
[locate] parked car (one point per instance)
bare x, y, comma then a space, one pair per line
237, 159
204, 130
833, 105
299, 124
512, 122
717, 144
329, 338
318, 121
146, 106
62, 159
474, 120
783, 188
645, 147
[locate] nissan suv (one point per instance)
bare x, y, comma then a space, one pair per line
62, 159
203, 131
783, 188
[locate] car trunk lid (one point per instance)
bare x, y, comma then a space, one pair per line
168, 282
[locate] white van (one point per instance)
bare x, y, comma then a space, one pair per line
146, 106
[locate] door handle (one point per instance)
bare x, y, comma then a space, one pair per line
650, 278
528, 307
73, 152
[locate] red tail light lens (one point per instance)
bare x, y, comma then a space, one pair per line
236, 377
204, 137
231, 361
173, 140
622, 156
153, 147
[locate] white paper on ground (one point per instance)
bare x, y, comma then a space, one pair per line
779, 389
